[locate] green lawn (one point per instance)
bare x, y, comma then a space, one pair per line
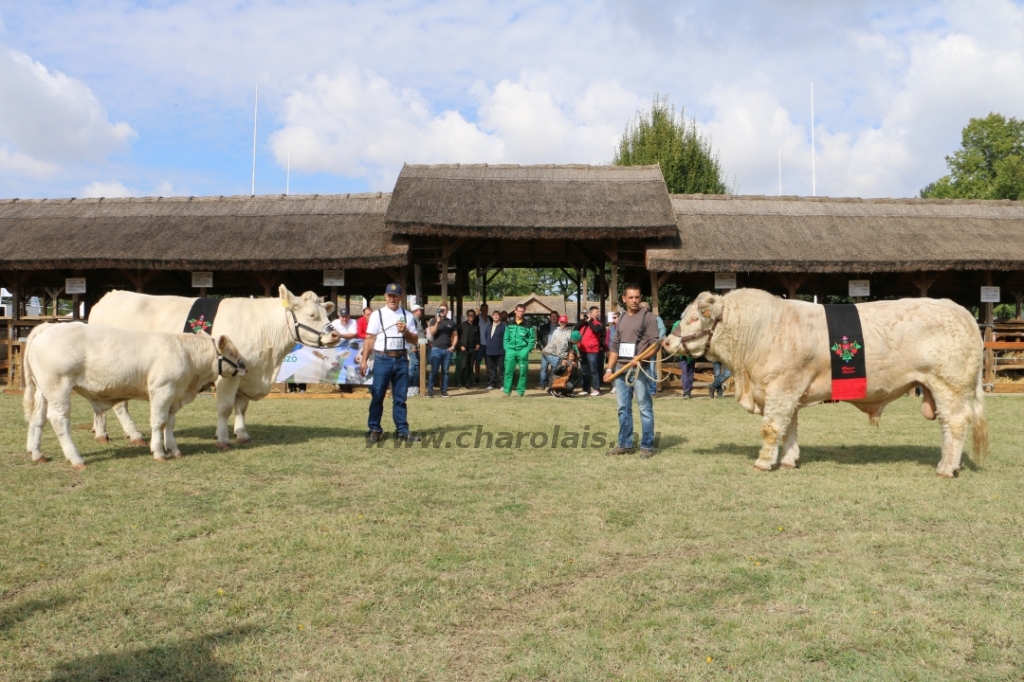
308, 556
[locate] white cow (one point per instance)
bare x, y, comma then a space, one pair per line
778, 352
263, 329
106, 365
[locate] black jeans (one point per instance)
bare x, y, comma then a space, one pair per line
464, 368
495, 370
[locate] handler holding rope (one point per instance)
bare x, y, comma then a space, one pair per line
631, 364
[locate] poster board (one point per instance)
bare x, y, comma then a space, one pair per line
338, 365
202, 280
860, 288
74, 285
334, 278
725, 280
990, 294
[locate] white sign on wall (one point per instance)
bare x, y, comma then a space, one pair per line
725, 280
860, 287
74, 285
201, 280
334, 278
990, 294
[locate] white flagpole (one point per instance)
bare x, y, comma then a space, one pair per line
780, 171
255, 118
814, 184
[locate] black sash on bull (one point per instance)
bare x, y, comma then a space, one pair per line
846, 349
200, 317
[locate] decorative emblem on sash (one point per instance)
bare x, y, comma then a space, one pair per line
846, 341
200, 317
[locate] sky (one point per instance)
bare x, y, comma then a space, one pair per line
156, 98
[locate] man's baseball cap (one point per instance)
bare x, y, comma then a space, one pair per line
415, 307
575, 337
563, 318
343, 312
393, 288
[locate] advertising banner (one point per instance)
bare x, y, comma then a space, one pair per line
338, 365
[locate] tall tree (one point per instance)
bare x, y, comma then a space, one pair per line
988, 165
689, 164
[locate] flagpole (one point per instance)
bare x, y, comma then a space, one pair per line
255, 118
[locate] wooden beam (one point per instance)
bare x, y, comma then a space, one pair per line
448, 250
613, 295
923, 281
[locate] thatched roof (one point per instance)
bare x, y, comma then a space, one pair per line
719, 233
199, 233
531, 202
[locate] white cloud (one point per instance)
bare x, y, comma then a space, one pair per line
357, 123
107, 190
48, 119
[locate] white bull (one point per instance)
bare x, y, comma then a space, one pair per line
105, 366
263, 329
778, 352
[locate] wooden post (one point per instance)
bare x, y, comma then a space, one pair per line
579, 297
458, 295
334, 297
654, 309
603, 285
988, 319
348, 304
444, 280
202, 292
75, 313
424, 351
13, 335
614, 293
583, 288
1017, 295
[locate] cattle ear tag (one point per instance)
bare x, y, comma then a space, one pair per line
707, 313
284, 303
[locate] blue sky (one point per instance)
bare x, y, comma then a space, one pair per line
155, 98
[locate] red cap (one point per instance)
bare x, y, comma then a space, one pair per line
563, 318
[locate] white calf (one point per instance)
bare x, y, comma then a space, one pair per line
106, 366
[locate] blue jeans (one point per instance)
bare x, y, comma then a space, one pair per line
644, 389
721, 373
393, 372
592, 370
440, 358
545, 362
414, 369
686, 369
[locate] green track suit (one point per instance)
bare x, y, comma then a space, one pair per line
519, 340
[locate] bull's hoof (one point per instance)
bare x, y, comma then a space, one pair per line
159, 459
763, 466
42, 459
223, 446
244, 441
787, 465
78, 467
103, 439
177, 455
138, 441
947, 474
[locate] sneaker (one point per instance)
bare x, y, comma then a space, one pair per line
409, 437
490, 388
619, 451
612, 391
595, 392
430, 395
712, 393
506, 395
444, 394
686, 396
646, 454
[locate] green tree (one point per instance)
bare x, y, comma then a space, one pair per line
988, 165
687, 161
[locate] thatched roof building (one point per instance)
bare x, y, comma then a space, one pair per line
200, 233
723, 233
532, 202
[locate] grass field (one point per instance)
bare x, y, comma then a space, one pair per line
309, 556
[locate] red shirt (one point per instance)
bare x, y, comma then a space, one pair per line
589, 343
361, 327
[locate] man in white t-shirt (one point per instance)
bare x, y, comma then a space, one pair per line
391, 333
345, 325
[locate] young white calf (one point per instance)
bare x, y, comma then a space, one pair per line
106, 365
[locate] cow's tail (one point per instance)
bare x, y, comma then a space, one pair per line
980, 427
28, 400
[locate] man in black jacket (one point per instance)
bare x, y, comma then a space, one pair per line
468, 344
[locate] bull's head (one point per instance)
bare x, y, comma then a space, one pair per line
309, 322
693, 334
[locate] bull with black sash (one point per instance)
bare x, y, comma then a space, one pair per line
636, 332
